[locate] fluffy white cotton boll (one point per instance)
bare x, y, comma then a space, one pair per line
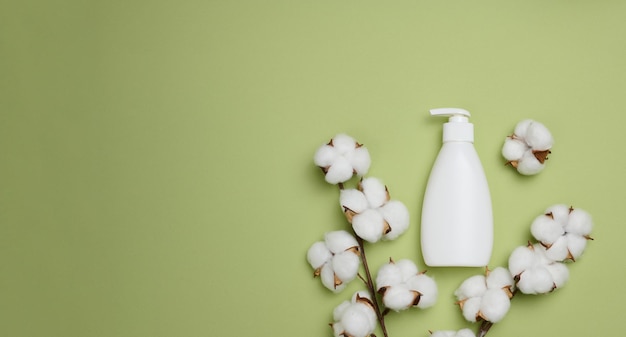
474, 286
339, 241
535, 281
471, 307
521, 258
564, 231
538, 137
388, 274
318, 254
499, 278
558, 250
355, 321
338, 329
541, 274
465, 333
325, 156
460, 333
341, 158
340, 310
375, 192
353, 199
398, 297
328, 278
529, 164
513, 149
346, 265
426, 286
522, 128
369, 225
406, 268
559, 273
397, 216
579, 222
495, 304
528, 147
343, 143
576, 245
360, 160
363, 302
403, 284
546, 229
560, 213
341, 170
355, 318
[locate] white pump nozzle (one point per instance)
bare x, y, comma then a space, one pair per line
458, 127
455, 114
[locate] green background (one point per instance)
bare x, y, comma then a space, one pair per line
156, 174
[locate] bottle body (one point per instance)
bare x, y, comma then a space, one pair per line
457, 219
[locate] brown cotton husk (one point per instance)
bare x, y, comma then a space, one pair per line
553, 287
545, 245
344, 333
417, 298
365, 301
354, 249
386, 228
349, 213
338, 281
513, 163
542, 156
383, 290
317, 272
570, 256
508, 291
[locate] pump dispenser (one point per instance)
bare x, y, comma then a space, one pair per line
457, 220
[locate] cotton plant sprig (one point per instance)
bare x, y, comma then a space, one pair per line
528, 147
374, 216
536, 268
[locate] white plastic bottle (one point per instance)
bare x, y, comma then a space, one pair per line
457, 220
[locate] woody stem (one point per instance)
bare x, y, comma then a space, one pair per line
484, 328
370, 287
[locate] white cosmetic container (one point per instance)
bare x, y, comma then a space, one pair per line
457, 219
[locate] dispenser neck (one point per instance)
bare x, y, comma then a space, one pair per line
458, 132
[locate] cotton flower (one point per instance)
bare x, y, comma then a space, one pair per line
355, 318
486, 297
528, 147
460, 333
402, 286
371, 212
335, 260
536, 272
564, 231
341, 158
